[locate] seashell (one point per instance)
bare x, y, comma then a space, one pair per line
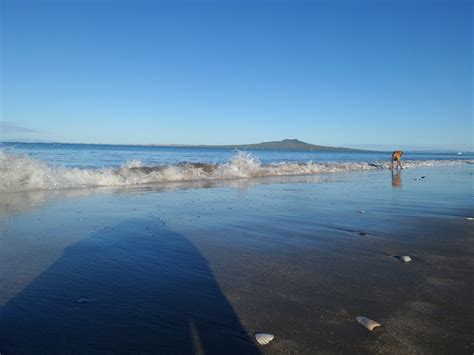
264, 338
470, 218
405, 258
361, 211
368, 323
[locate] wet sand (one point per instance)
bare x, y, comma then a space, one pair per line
199, 268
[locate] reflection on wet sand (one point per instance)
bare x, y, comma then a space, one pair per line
397, 178
23, 202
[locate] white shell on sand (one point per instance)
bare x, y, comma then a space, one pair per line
264, 338
361, 211
368, 323
405, 258
470, 218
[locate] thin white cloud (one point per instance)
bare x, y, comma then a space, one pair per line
7, 127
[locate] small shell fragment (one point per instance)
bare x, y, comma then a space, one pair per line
361, 211
405, 258
470, 218
368, 323
264, 338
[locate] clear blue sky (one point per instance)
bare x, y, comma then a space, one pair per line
327, 72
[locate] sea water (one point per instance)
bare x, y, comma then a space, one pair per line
51, 166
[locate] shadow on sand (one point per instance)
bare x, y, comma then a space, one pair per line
124, 290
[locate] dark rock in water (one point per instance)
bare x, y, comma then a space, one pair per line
363, 233
422, 177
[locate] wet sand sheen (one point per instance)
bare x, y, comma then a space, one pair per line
201, 270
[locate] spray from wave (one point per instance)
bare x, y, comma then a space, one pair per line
22, 173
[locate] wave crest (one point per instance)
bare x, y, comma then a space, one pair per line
22, 173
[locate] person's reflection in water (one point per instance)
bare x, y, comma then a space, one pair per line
124, 290
397, 178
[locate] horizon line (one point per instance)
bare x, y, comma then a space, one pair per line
184, 145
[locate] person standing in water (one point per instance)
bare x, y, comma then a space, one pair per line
396, 156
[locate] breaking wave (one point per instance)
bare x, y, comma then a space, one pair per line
22, 173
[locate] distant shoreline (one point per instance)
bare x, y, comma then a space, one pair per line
247, 146
286, 144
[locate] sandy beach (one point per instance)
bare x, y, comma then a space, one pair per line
200, 267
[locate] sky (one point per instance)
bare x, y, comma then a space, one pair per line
390, 74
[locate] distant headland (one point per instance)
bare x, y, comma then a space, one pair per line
285, 144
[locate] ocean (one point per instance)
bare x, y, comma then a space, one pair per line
53, 166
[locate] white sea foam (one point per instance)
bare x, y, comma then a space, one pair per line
22, 173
